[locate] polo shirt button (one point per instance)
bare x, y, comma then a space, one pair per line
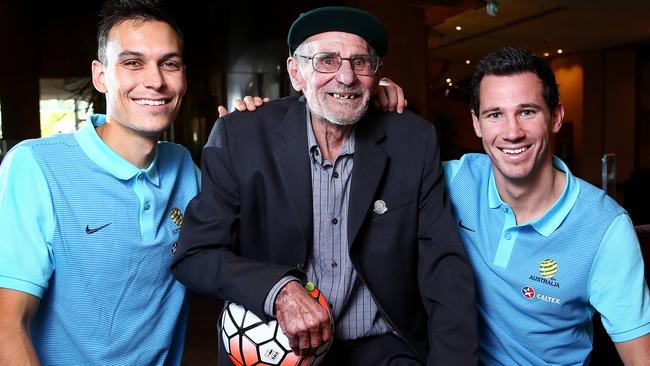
140, 177
508, 236
335, 174
147, 206
335, 221
334, 264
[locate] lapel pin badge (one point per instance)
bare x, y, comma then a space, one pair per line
380, 207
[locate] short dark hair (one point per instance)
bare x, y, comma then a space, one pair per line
512, 61
115, 12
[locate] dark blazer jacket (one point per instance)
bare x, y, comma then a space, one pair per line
251, 224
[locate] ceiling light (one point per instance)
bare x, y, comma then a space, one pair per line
458, 28
546, 54
448, 80
450, 84
560, 51
468, 62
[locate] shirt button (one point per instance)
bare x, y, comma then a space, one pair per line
335, 175
140, 177
505, 209
335, 221
508, 236
334, 264
147, 206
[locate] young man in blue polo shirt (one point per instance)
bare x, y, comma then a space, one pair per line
548, 249
90, 219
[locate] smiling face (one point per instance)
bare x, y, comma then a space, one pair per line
143, 76
341, 97
516, 126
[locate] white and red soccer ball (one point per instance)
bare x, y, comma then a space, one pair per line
249, 341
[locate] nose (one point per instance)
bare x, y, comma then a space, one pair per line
345, 75
513, 130
153, 78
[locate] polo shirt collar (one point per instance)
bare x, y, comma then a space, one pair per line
553, 217
107, 158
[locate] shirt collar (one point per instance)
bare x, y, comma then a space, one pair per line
347, 149
107, 158
553, 217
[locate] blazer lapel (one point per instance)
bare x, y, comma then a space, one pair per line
369, 164
292, 159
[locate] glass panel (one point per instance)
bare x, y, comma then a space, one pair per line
64, 105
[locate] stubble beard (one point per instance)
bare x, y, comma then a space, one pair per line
331, 117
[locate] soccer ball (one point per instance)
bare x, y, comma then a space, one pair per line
249, 341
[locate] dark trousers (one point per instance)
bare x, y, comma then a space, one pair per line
384, 350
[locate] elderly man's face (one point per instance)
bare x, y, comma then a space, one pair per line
341, 97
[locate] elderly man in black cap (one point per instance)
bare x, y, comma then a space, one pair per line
324, 188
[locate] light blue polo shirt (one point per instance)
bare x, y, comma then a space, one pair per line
92, 235
539, 283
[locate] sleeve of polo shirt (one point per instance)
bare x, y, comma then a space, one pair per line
617, 288
451, 168
26, 260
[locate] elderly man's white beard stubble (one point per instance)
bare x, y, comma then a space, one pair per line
330, 115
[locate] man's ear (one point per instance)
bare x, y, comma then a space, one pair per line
557, 118
477, 125
294, 74
99, 76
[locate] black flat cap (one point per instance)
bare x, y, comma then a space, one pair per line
339, 19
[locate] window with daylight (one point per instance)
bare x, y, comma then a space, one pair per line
64, 105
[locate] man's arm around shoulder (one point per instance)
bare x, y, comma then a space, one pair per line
17, 309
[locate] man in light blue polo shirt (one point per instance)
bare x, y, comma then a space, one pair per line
90, 219
548, 249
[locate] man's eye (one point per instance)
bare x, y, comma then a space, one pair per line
360, 62
328, 60
171, 65
527, 113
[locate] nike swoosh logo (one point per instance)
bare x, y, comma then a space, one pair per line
460, 223
96, 229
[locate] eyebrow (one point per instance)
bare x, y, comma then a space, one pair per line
490, 110
166, 56
530, 105
519, 106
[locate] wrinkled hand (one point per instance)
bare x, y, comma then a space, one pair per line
248, 104
389, 96
305, 323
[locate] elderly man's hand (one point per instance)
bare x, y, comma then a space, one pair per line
248, 104
389, 96
303, 320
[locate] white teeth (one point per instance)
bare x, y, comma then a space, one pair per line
515, 151
339, 96
149, 102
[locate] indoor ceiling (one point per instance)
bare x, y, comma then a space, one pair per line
544, 26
